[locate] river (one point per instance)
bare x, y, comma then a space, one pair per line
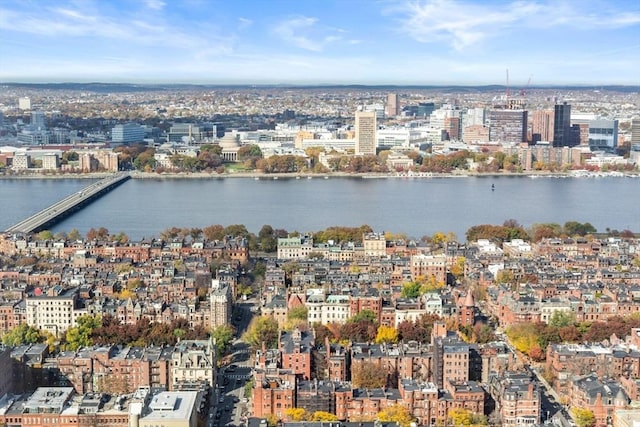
416, 207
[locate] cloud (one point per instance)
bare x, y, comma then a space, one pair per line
303, 32
244, 23
459, 24
462, 24
61, 22
155, 4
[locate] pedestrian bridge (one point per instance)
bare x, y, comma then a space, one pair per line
55, 213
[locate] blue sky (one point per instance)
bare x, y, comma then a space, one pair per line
321, 41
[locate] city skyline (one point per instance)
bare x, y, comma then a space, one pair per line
321, 42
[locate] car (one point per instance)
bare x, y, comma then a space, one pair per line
221, 400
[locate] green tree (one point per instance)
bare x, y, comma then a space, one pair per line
21, 334
574, 228
223, 336
262, 329
45, 235
365, 314
298, 313
583, 417
81, 335
561, 319
411, 289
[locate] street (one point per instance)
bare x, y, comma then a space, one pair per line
229, 405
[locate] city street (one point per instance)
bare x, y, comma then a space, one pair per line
231, 407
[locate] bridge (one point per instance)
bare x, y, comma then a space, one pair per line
67, 206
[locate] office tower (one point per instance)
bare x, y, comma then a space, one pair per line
603, 135
542, 126
24, 103
635, 130
507, 125
127, 133
393, 105
37, 120
562, 126
366, 127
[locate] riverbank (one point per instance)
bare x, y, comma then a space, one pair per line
275, 176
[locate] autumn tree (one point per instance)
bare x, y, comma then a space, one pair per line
386, 334
396, 413
464, 417
296, 414
213, 232
583, 417
368, 375
262, 329
323, 416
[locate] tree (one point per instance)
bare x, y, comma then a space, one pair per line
45, 235
222, 336
323, 416
560, 319
81, 335
296, 414
213, 232
74, 234
262, 329
298, 313
411, 290
460, 417
583, 417
21, 334
386, 334
396, 413
365, 314
368, 375
574, 228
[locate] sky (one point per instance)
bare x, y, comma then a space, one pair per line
396, 42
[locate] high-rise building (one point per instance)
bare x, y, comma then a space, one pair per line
393, 105
37, 120
507, 125
24, 103
366, 127
542, 126
635, 130
603, 135
127, 133
562, 126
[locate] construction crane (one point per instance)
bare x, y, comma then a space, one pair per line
523, 92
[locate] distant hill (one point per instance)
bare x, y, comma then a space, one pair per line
133, 87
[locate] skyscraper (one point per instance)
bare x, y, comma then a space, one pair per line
37, 120
542, 126
393, 105
562, 125
366, 141
507, 125
635, 130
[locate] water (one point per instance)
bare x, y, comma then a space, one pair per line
416, 207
